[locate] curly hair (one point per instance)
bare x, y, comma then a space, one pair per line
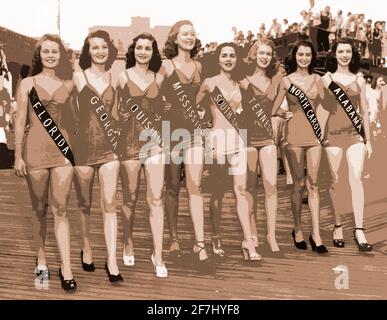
171, 48
238, 73
85, 58
331, 62
291, 61
64, 69
155, 61
272, 68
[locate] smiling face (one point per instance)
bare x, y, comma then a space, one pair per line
344, 54
186, 37
99, 50
264, 56
304, 57
143, 51
227, 59
50, 54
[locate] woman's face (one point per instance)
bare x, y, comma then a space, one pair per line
380, 82
344, 54
50, 54
227, 59
264, 56
99, 50
304, 57
143, 51
186, 37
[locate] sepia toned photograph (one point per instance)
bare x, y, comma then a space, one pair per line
212, 151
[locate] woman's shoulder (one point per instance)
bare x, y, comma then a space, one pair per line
26, 84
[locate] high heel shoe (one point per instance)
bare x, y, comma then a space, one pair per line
67, 285
175, 251
363, 247
248, 253
113, 278
320, 249
255, 240
41, 271
128, 260
338, 243
299, 245
160, 271
86, 266
217, 246
201, 248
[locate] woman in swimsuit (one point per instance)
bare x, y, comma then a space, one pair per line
260, 89
38, 158
302, 143
180, 84
342, 137
140, 99
93, 102
226, 145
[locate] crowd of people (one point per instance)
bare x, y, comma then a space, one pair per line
231, 113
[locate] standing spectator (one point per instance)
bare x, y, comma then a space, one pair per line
323, 34
305, 23
285, 26
350, 26
376, 43
360, 36
369, 30
339, 23
275, 30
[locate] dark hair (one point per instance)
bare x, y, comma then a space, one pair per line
24, 71
239, 71
171, 49
155, 61
331, 62
291, 62
64, 69
272, 69
85, 58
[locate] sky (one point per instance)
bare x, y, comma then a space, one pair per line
213, 19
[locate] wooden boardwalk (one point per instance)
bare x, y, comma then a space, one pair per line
290, 275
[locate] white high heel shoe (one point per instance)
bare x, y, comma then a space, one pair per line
160, 271
128, 260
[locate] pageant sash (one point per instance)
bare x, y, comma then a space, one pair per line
150, 121
224, 107
179, 96
50, 126
308, 110
104, 119
256, 105
348, 108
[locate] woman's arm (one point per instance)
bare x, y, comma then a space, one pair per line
365, 114
20, 123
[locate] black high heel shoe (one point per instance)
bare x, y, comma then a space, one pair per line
197, 252
363, 247
67, 285
338, 243
41, 273
176, 252
113, 278
299, 245
320, 249
87, 267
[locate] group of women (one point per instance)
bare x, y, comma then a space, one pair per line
71, 124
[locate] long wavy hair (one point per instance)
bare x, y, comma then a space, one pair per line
155, 61
331, 62
85, 58
64, 69
239, 71
291, 61
272, 68
171, 48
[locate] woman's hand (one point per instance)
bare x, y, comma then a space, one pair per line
20, 168
369, 149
